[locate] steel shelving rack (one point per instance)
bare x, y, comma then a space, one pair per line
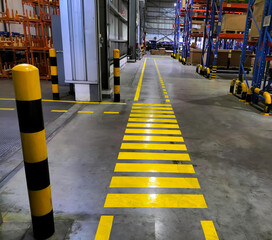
213, 40
261, 85
188, 15
176, 52
186, 36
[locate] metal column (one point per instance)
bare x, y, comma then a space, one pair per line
132, 29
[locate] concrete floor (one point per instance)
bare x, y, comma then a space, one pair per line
229, 144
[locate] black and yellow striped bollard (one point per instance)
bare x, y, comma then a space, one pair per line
29, 108
54, 73
116, 65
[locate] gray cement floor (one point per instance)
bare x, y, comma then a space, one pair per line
229, 144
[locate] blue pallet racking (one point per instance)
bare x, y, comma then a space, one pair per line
261, 85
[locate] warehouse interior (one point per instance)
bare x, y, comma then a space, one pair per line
135, 119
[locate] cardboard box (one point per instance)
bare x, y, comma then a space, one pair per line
161, 51
195, 56
222, 58
233, 22
258, 15
154, 52
236, 57
168, 52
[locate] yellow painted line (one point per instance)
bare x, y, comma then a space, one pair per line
153, 131
152, 104
155, 201
151, 111
209, 230
151, 125
154, 156
7, 109
166, 96
137, 94
152, 120
85, 112
153, 182
163, 87
154, 167
66, 101
152, 138
165, 93
164, 90
154, 146
167, 100
59, 111
151, 115
159, 108
111, 112
104, 228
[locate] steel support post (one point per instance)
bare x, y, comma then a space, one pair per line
132, 29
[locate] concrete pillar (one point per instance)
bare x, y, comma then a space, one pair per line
132, 29
81, 51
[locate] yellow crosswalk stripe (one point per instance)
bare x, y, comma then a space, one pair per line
153, 182
159, 108
154, 167
111, 112
85, 112
152, 120
153, 131
152, 111
7, 109
154, 146
151, 104
64, 111
155, 201
152, 138
104, 228
147, 125
209, 230
153, 156
152, 115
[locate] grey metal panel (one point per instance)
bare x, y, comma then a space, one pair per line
66, 43
57, 42
78, 41
91, 44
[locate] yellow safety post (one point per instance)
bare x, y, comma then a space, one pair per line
142, 49
249, 95
238, 87
116, 65
29, 108
177, 56
54, 73
214, 70
232, 85
244, 92
267, 100
188, 61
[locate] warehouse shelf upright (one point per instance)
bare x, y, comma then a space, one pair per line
176, 52
186, 37
261, 86
214, 39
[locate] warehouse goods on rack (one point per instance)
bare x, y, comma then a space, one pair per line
193, 15
27, 36
223, 37
260, 88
